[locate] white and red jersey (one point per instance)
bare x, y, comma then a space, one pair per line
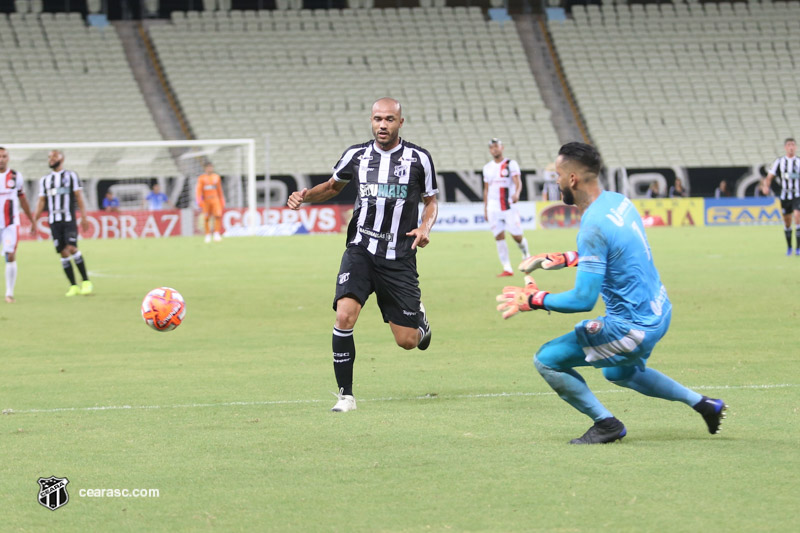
501, 185
10, 191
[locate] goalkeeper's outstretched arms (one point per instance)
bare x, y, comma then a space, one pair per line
581, 298
549, 261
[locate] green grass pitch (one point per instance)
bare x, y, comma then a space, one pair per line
228, 416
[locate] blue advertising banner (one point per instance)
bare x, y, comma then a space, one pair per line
742, 211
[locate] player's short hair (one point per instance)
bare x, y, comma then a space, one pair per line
395, 100
3, 148
495, 140
585, 154
789, 140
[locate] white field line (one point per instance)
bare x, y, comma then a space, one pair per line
386, 399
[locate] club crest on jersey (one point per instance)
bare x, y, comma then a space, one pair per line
11, 182
593, 326
53, 492
504, 173
401, 171
343, 278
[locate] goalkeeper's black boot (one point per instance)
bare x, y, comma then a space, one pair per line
425, 328
602, 432
713, 412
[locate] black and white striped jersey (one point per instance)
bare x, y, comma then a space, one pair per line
390, 187
787, 169
59, 189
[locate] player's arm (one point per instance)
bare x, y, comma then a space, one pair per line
319, 193
767, 182
198, 193
26, 208
82, 210
516, 179
485, 200
39, 210
530, 297
429, 214
220, 193
581, 298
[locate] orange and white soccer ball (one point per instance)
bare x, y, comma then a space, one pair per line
163, 309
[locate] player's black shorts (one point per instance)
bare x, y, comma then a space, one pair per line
64, 234
788, 206
395, 284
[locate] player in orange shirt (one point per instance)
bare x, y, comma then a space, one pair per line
210, 200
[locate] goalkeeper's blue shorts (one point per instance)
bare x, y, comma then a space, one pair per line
607, 341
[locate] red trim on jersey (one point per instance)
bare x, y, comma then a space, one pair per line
504, 204
8, 213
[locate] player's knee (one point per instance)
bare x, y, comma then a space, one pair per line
345, 320
546, 357
619, 374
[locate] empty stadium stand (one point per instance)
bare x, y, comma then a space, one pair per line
63, 81
712, 84
307, 79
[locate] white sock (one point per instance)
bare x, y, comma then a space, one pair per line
523, 247
11, 277
502, 251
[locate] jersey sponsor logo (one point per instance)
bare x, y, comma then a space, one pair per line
409, 159
343, 278
383, 190
617, 215
409, 313
383, 236
363, 157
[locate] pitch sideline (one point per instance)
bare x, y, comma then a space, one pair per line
385, 399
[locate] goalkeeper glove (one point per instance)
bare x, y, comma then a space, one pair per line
551, 261
516, 299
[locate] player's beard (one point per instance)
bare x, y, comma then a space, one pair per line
389, 140
567, 197
54, 166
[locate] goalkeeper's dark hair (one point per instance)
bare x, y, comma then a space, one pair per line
584, 154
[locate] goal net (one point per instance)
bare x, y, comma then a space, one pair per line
130, 176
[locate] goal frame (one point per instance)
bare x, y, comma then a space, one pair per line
248, 144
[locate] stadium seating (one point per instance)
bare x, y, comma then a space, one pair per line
307, 79
711, 84
62, 81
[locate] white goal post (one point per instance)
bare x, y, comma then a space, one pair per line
133, 166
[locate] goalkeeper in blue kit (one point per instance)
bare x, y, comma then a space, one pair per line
614, 261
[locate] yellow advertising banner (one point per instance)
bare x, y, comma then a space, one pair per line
672, 211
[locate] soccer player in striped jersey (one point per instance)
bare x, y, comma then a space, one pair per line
788, 168
59, 193
11, 199
502, 185
392, 177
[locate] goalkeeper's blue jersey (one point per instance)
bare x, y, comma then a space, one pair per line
611, 242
